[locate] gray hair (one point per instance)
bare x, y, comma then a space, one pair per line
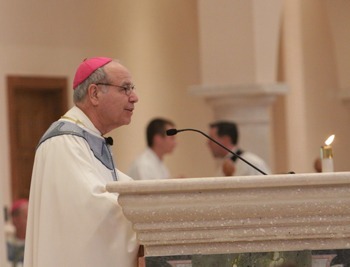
80, 91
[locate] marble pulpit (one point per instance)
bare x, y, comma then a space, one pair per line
271, 214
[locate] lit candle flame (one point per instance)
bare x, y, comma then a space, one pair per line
329, 140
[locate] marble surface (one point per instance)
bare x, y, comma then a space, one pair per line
222, 215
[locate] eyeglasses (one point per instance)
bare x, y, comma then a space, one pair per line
126, 88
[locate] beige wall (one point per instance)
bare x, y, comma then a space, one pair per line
312, 110
159, 42
156, 40
161, 51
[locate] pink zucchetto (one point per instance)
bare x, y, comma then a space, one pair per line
87, 67
18, 203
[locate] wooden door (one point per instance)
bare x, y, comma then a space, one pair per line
34, 103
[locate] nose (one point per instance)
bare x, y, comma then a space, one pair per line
133, 97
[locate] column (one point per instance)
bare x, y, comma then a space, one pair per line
239, 53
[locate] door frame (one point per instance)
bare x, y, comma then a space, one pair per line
30, 83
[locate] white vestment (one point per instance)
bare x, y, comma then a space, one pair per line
148, 166
72, 220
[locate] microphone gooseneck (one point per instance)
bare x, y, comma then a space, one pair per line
175, 131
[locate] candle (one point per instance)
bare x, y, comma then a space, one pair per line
327, 155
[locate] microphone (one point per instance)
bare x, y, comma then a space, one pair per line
109, 140
175, 131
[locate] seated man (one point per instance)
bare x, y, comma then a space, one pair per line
150, 165
226, 133
15, 243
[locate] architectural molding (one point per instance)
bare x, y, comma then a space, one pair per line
249, 105
243, 90
238, 214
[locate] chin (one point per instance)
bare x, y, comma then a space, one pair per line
125, 122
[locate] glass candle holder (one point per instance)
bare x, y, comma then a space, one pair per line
327, 159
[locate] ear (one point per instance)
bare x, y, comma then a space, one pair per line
92, 93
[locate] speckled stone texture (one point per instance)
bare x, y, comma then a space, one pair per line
224, 215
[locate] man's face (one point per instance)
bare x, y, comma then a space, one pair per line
115, 107
20, 220
169, 141
216, 150
166, 143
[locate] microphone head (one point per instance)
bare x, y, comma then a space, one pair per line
171, 132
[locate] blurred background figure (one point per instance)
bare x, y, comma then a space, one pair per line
150, 164
15, 242
227, 134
